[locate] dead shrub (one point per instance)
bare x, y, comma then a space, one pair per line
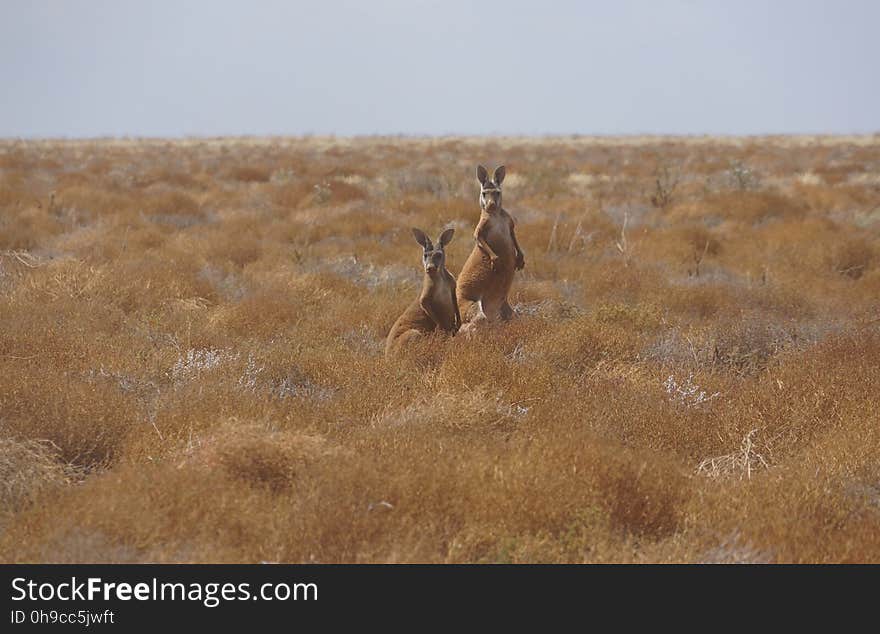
641, 500
28, 228
853, 257
583, 343
292, 195
264, 459
747, 207
249, 174
171, 203
748, 346
28, 468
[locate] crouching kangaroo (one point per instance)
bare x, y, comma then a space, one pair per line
436, 307
487, 274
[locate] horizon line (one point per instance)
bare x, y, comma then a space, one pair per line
433, 136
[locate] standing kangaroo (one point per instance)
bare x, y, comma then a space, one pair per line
487, 274
436, 307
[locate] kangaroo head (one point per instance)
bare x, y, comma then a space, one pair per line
433, 258
490, 188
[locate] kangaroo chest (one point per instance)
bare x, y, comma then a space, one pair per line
441, 295
441, 301
498, 236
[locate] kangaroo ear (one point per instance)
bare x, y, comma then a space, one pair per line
422, 239
482, 174
498, 176
446, 237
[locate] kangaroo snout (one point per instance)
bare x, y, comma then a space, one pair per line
434, 262
490, 199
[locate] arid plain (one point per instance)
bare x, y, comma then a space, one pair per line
192, 332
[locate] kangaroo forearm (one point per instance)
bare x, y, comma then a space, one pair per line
480, 237
486, 248
515, 242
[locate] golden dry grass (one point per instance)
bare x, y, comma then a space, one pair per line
192, 368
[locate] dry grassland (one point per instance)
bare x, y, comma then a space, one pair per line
191, 353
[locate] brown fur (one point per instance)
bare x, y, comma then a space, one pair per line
436, 308
487, 274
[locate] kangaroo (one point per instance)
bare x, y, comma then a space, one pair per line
436, 307
487, 274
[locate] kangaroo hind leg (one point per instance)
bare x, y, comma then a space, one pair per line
469, 309
399, 342
506, 311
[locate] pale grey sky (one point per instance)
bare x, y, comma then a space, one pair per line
82, 68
